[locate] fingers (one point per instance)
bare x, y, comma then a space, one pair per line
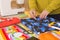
44, 14
33, 14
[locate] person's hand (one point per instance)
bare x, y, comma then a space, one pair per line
33, 13
44, 14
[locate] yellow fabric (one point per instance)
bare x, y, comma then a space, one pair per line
50, 5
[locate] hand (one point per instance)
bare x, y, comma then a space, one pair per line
44, 14
33, 13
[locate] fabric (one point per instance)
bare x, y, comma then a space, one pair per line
57, 16
47, 36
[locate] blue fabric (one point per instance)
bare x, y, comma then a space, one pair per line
38, 25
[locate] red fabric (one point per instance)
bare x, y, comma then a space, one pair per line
6, 23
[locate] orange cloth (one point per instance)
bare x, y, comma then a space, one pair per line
47, 36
